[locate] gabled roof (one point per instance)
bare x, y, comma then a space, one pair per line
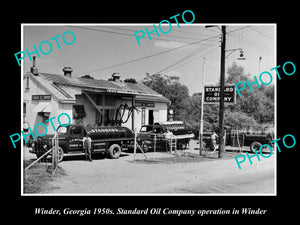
65, 88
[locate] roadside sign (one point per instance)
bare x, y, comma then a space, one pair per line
212, 94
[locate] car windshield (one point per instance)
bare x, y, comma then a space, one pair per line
146, 129
62, 130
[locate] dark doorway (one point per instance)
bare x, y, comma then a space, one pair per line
150, 117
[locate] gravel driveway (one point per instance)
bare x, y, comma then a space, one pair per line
164, 175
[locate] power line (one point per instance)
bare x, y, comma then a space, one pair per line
148, 56
252, 28
181, 30
212, 68
145, 57
193, 53
239, 37
195, 58
239, 29
169, 35
131, 35
255, 44
228, 32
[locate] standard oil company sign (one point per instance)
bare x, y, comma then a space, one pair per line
212, 94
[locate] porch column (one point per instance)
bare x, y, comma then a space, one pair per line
132, 115
103, 110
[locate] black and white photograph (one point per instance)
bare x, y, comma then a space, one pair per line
136, 109
149, 113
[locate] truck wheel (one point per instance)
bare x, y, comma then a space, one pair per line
255, 145
145, 147
60, 153
114, 151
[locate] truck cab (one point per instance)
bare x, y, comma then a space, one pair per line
109, 140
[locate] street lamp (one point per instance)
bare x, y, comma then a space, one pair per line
236, 49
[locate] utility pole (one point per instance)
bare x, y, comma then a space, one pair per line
222, 84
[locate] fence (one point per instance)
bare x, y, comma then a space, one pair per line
51, 166
55, 155
166, 142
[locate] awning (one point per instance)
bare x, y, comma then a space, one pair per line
42, 107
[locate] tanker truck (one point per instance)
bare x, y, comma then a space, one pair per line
111, 140
158, 135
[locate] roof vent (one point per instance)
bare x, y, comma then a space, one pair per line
116, 77
67, 71
34, 69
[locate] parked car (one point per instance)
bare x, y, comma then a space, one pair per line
253, 140
110, 140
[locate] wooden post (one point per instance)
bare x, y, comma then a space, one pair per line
132, 114
154, 142
222, 84
134, 149
93, 103
103, 110
202, 110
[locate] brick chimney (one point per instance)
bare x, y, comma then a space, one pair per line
116, 77
68, 71
34, 69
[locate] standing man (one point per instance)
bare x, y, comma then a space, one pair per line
214, 137
87, 145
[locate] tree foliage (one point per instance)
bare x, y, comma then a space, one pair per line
130, 80
252, 110
170, 87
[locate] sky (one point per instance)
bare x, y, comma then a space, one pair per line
103, 49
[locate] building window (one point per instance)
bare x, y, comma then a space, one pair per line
78, 111
27, 82
24, 108
143, 116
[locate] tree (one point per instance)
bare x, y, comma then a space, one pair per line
253, 109
195, 109
87, 76
170, 87
239, 120
258, 104
235, 74
130, 80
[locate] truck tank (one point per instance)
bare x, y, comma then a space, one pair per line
110, 132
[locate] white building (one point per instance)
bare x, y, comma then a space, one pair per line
89, 101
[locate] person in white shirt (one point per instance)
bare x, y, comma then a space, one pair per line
87, 145
214, 137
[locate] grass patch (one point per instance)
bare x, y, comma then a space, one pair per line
36, 178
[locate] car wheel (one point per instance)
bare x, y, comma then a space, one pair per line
255, 145
114, 151
60, 153
145, 147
